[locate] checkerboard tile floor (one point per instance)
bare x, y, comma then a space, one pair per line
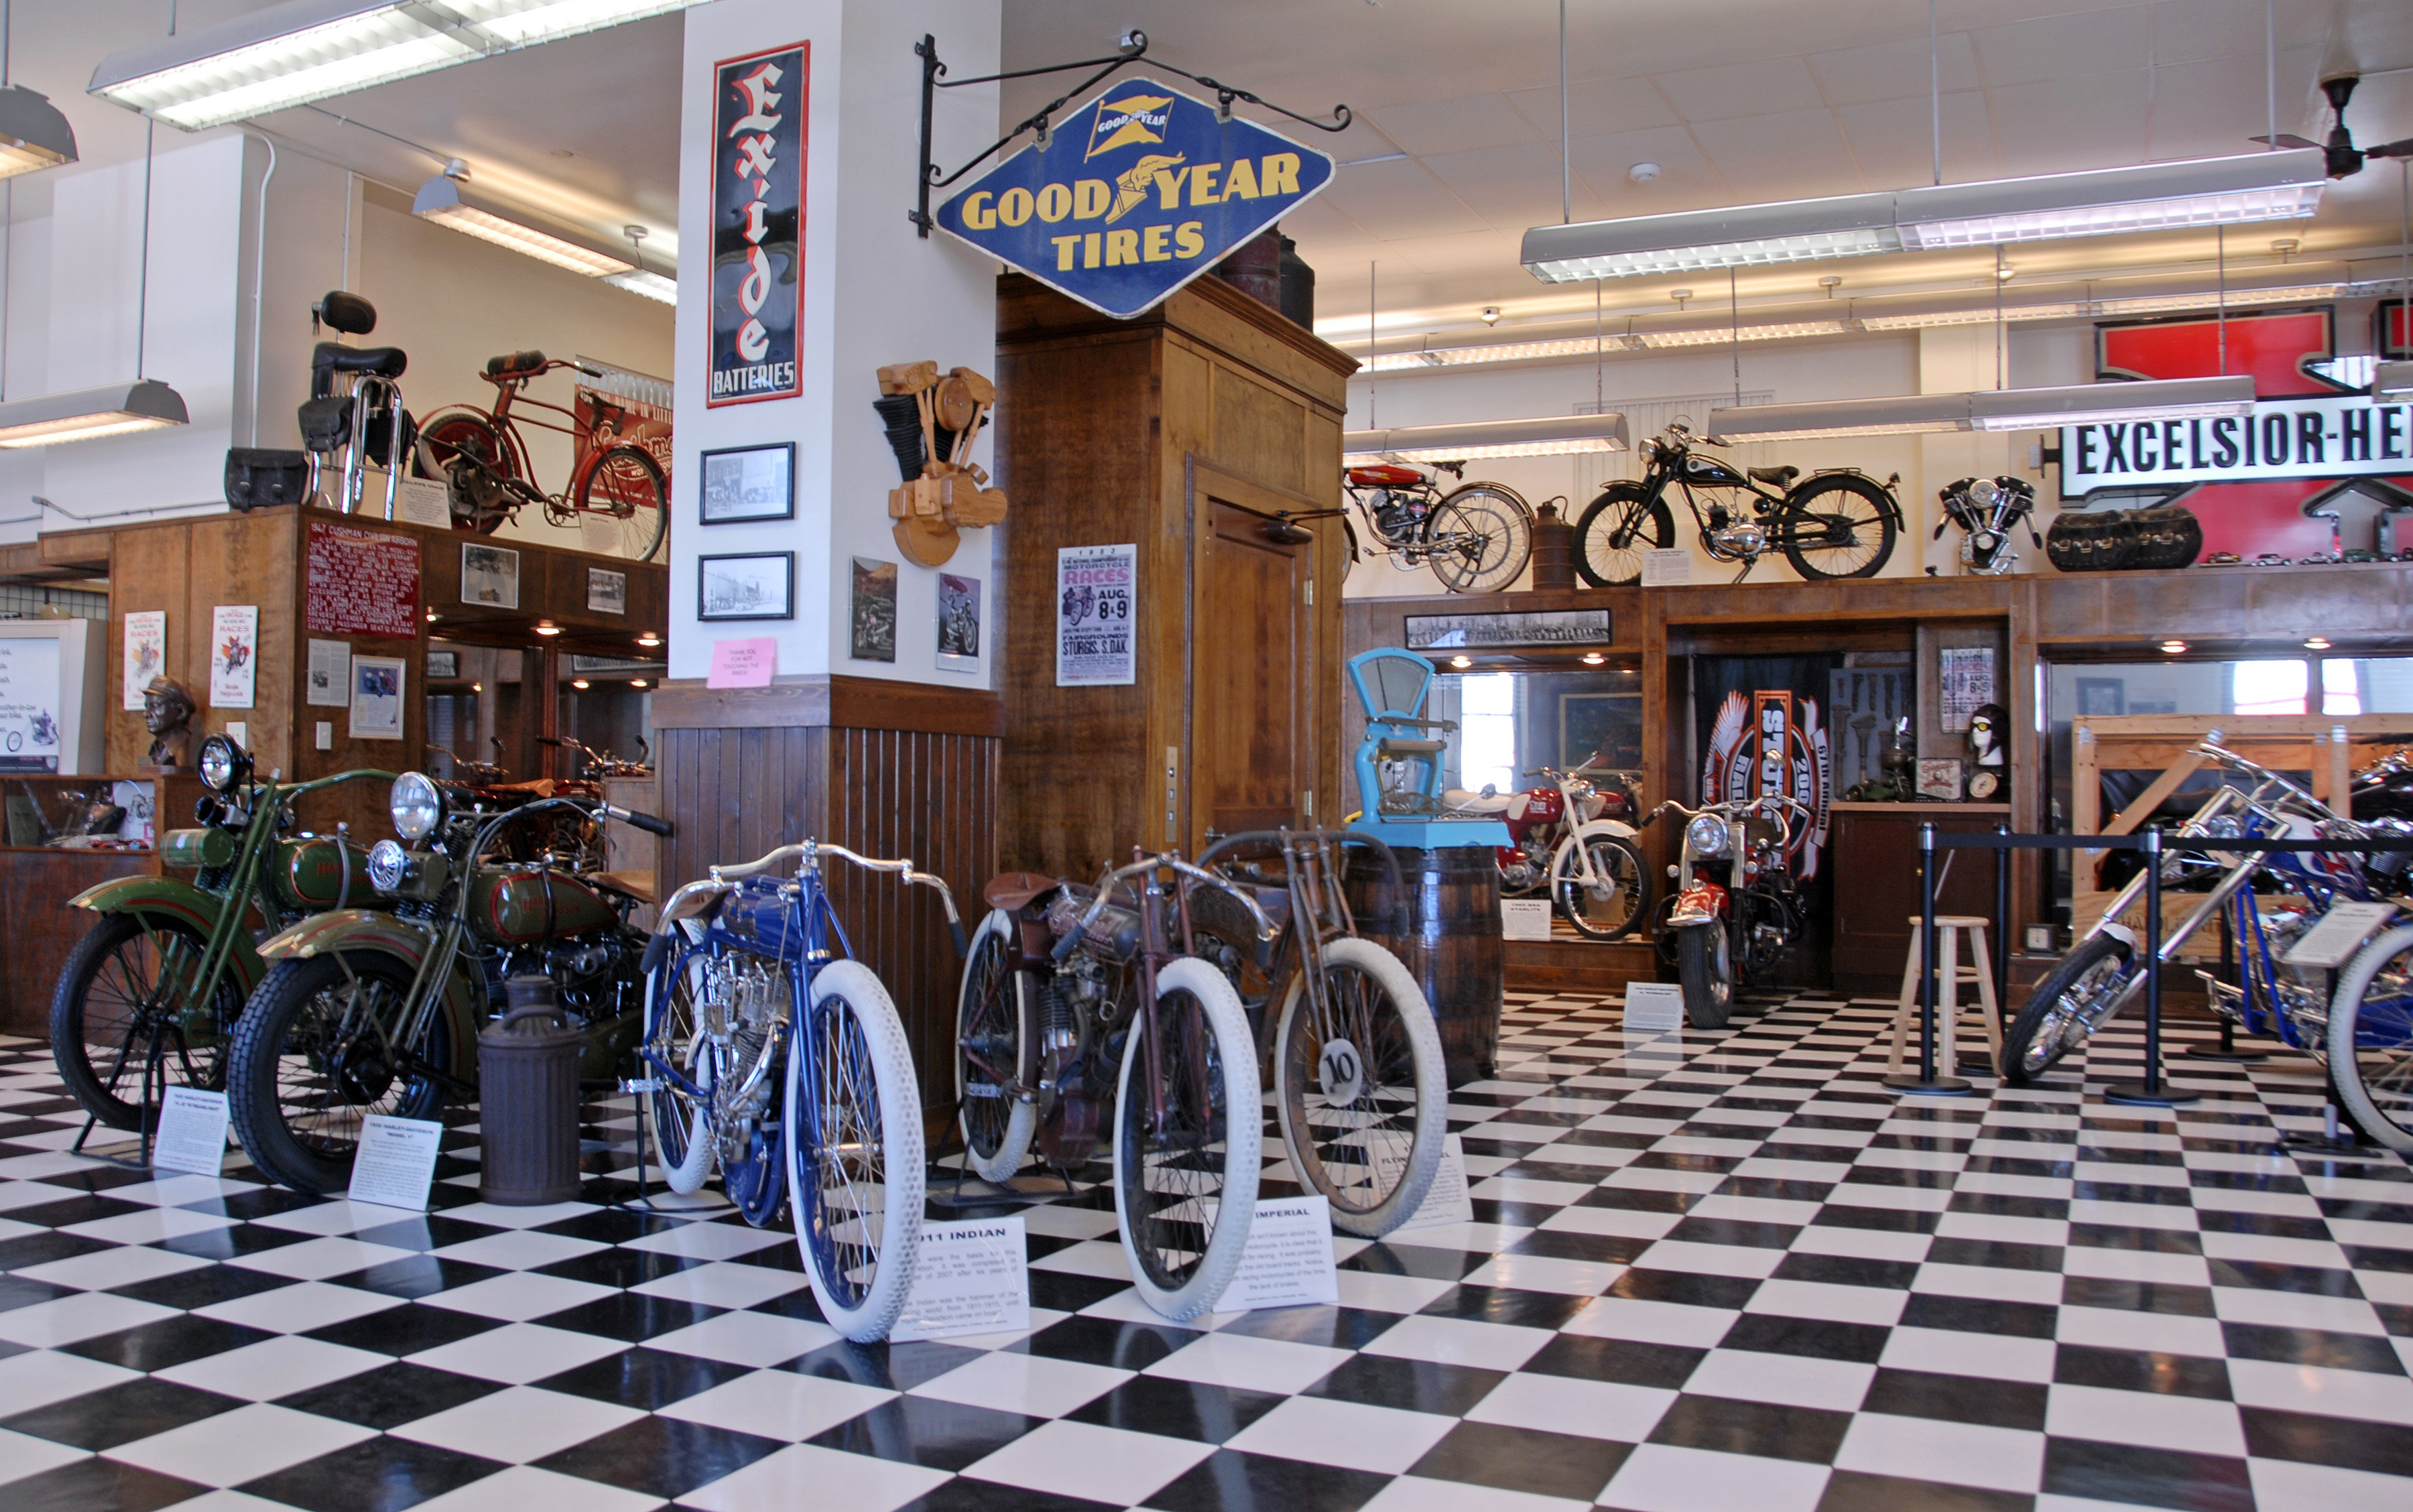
1723, 1271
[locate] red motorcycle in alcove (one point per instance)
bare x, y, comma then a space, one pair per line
1576, 837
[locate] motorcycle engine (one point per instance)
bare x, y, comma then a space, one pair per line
1744, 537
1114, 934
585, 971
744, 1004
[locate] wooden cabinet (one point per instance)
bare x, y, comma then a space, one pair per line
1876, 847
1182, 432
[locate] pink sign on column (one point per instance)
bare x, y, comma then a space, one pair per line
748, 663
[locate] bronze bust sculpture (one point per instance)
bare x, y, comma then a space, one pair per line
167, 710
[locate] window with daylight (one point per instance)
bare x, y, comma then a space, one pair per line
1487, 731
2271, 686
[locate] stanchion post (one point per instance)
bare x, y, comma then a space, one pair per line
1932, 1080
2001, 964
2150, 1092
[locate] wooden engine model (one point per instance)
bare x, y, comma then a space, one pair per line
932, 421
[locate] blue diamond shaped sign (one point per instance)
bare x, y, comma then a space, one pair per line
1135, 195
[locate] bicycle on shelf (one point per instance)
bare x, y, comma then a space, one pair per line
1360, 1085
617, 489
1476, 538
747, 997
1084, 1008
1839, 522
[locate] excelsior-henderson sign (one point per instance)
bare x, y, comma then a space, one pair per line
2344, 436
1133, 196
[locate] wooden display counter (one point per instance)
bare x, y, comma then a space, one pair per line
1876, 848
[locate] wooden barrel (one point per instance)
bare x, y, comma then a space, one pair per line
1452, 944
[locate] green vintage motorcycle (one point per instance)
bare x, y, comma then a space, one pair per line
377, 1010
150, 996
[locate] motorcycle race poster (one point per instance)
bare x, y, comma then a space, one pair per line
1761, 726
1097, 602
758, 212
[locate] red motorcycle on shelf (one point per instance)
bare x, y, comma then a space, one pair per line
1576, 837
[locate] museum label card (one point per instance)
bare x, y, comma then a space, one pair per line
2339, 934
1524, 918
1667, 567
1288, 1261
1446, 1201
1655, 1007
396, 1165
330, 683
747, 663
970, 1277
192, 1133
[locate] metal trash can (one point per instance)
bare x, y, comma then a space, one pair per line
527, 1095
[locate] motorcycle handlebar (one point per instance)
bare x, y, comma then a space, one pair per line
629, 816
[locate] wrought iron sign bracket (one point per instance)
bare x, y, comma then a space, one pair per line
1132, 48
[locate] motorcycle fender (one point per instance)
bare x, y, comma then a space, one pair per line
1607, 826
2120, 932
1701, 903
362, 929
173, 897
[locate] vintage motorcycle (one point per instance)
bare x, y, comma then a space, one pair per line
1476, 538
1088, 1007
1986, 509
1840, 523
370, 1011
1575, 838
1730, 934
149, 996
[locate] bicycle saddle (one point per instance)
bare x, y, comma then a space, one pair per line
329, 357
1011, 890
1774, 477
514, 361
1384, 475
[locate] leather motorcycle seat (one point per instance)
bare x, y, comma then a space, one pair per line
1386, 475
381, 362
514, 361
636, 884
1774, 477
1013, 890
1468, 802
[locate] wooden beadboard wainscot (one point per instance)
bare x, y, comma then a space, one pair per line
886, 769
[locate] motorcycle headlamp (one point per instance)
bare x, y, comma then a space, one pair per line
221, 763
1706, 836
417, 806
389, 865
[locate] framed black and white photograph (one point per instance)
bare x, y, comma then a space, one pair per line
490, 576
749, 482
443, 666
760, 585
607, 592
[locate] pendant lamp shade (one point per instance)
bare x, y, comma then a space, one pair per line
32, 134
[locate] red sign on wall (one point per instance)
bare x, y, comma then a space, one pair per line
361, 582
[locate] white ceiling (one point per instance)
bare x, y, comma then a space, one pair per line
1737, 100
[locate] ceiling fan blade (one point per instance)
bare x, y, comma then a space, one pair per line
2285, 139
2391, 149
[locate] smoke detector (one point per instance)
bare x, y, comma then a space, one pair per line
1492, 315
1643, 172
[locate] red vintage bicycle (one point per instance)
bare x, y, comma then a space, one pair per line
616, 492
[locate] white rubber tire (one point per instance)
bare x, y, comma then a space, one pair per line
2345, 1061
901, 1154
1243, 1158
689, 1175
1002, 1162
1432, 1086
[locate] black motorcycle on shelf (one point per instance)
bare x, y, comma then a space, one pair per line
1840, 522
1987, 510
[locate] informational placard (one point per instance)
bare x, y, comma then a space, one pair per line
1667, 567
192, 1132
1524, 918
1097, 615
1655, 1007
377, 688
747, 663
969, 1276
1447, 1200
423, 502
759, 106
29, 704
396, 1164
2340, 933
361, 582
146, 655
234, 655
328, 683
1288, 1261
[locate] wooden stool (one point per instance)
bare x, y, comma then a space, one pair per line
1950, 929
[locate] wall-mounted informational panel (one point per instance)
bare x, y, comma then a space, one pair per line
50, 692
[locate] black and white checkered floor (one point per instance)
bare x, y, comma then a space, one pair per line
1721, 1273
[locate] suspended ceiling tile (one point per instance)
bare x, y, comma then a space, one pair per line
1464, 124
2063, 126
1686, 181
1795, 155
1761, 88
2209, 109
2060, 46
2188, 31
1894, 141
1894, 70
1399, 199
1321, 224
1512, 187
1600, 106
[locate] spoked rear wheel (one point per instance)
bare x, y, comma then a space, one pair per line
853, 1137
682, 1121
311, 1062
1189, 1128
2074, 998
1360, 1089
1839, 526
623, 504
991, 1029
120, 1002
2371, 1039
1617, 530
1478, 539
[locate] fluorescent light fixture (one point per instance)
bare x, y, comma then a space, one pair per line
442, 200
2392, 380
1988, 409
289, 54
89, 414
646, 282
32, 134
1549, 436
1714, 337
2211, 191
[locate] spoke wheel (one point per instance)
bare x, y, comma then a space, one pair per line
311, 1062
121, 999
1615, 532
450, 433
682, 1123
1189, 1127
1705, 964
2371, 1040
2073, 999
1618, 897
624, 501
1478, 539
992, 1022
1360, 1089
853, 1138
1839, 526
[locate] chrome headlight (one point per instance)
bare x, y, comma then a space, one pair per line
417, 805
389, 865
221, 763
1706, 836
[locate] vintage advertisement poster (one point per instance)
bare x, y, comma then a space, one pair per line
29, 705
1097, 594
234, 655
757, 199
959, 623
1966, 674
1763, 729
377, 698
146, 653
872, 611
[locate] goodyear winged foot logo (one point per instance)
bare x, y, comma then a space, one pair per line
1160, 190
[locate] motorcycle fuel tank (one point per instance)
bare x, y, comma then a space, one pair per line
308, 872
1711, 472
514, 905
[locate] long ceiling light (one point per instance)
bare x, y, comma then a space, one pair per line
89, 414
646, 282
289, 54
1547, 437
2211, 191
442, 200
1988, 409
2392, 380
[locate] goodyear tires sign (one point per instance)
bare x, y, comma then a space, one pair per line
1133, 196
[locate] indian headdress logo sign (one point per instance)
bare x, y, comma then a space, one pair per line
1138, 193
758, 225
1768, 741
